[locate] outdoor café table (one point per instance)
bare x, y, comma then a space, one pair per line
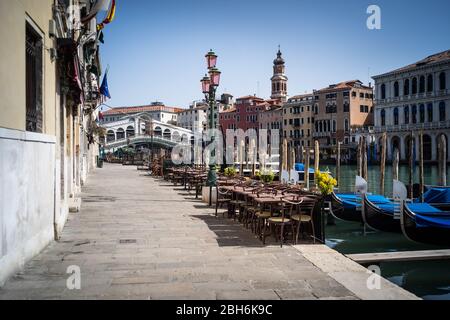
271, 201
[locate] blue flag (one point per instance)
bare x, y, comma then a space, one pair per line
104, 90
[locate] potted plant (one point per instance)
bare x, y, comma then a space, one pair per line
266, 176
230, 172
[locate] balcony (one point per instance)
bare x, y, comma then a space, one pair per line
416, 96
414, 127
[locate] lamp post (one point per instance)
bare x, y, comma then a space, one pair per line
210, 82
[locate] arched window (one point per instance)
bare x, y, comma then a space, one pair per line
414, 114
430, 83
442, 113
406, 111
383, 91
396, 116
278, 86
120, 134
130, 132
383, 117
396, 89
317, 126
422, 84
334, 125
430, 112
422, 113
406, 88
442, 81
414, 86
320, 126
346, 126
427, 147
110, 136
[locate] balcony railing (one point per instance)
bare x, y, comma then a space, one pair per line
416, 126
438, 93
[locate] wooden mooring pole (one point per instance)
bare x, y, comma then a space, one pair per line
411, 166
421, 176
442, 157
395, 164
383, 162
306, 174
358, 158
338, 164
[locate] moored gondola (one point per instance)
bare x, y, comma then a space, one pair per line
421, 222
346, 206
438, 197
378, 214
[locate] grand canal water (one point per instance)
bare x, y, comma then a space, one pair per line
430, 279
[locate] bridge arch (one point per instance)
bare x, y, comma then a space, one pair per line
158, 132
110, 136
167, 134
130, 132
120, 134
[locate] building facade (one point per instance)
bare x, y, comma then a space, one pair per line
298, 120
414, 98
48, 125
195, 118
341, 112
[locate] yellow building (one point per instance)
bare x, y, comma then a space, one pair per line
49, 93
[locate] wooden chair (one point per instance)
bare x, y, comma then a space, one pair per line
223, 197
305, 215
279, 223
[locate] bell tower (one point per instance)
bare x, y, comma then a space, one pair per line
279, 79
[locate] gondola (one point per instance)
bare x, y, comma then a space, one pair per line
346, 206
422, 222
438, 197
378, 214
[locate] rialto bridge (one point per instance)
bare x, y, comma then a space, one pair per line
137, 130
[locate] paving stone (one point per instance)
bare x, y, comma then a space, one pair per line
174, 248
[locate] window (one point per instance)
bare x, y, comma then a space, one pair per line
354, 94
396, 116
442, 81
383, 91
430, 112
414, 114
361, 95
422, 113
346, 107
334, 125
430, 83
346, 125
414, 86
33, 80
383, 117
396, 89
442, 115
406, 88
406, 111
422, 84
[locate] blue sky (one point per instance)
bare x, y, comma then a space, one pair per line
155, 49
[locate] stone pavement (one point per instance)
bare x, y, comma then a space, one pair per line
137, 237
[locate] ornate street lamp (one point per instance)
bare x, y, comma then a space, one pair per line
211, 59
209, 88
